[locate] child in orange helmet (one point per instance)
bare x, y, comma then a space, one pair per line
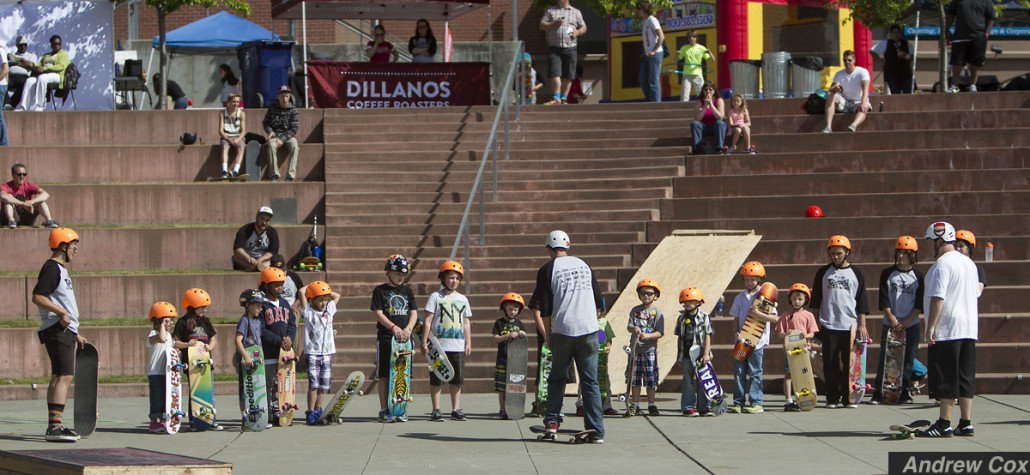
506, 328
647, 324
448, 315
797, 318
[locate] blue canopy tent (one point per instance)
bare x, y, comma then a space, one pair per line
215, 33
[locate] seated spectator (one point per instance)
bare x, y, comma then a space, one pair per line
231, 124
50, 70
422, 46
174, 91
22, 64
293, 282
230, 84
23, 197
739, 123
379, 50
709, 116
281, 124
255, 243
896, 54
849, 93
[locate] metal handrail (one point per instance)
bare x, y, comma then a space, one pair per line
490, 149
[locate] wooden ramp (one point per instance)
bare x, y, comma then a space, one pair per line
706, 259
106, 461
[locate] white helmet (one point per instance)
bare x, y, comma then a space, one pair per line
560, 240
941, 230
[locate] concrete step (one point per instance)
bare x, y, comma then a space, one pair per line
566, 182
403, 132
583, 152
493, 229
365, 209
506, 174
425, 285
429, 264
878, 140
441, 253
997, 299
398, 148
515, 217
445, 238
502, 195
341, 163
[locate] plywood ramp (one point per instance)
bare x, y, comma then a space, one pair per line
106, 461
702, 258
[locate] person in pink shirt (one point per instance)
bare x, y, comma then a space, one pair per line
709, 116
380, 50
23, 197
797, 318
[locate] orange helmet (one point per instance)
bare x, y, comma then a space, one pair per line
966, 236
451, 265
691, 293
839, 240
317, 289
272, 274
907, 243
753, 268
195, 298
513, 297
799, 287
650, 283
62, 235
162, 310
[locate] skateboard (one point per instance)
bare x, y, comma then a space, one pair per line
202, 391
400, 377
576, 436
339, 401
893, 368
438, 362
545, 373
87, 388
706, 377
800, 362
857, 375
254, 389
250, 160
240, 177
287, 377
517, 373
631, 352
173, 391
310, 263
602, 364
753, 329
908, 431
310, 254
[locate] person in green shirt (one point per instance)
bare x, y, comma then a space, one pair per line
691, 56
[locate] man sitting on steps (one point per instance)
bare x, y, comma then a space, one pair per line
849, 93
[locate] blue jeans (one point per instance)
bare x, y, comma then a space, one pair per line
718, 129
741, 369
649, 77
912, 335
157, 396
182, 103
692, 396
3, 125
583, 349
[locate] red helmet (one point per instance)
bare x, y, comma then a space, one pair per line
814, 212
692, 293
513, 297
753, 268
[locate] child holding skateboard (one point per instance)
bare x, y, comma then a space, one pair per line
693, 328
231, 124
753, 274
394, 307
162, 317
506, 328
319, 306
797, 318
901, 300
448, 315
279, 331
648, 325
194, 329
248, 333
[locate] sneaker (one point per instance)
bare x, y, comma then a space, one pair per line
827, 130
954, 88
275, 179
936, 431
402, 418
156, 427
12, 225
318, 413
593, 439
972, 88
458, 415
61, 434
850, 406
905, 400
707, 414
551, 428
633, 410
503, 415
831, 405
851, 128
752, 150
652, 410
234, 174
731, 149
50, 224
690, 413
312, 419
791, 407
611, 411
385, 417
268, 425
964, 431
226, 175
736, 409
579, 411
754, 409
553, 102
288, 180
875, 401
436, 415
217, 427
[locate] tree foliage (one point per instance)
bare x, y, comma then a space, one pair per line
873, 13
615, 8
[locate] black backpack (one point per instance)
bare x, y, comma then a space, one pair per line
704, 148
816, 103
71, 81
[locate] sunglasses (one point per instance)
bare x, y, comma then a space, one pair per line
646, 293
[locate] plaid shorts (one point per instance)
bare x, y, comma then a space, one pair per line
645, 369
320, 371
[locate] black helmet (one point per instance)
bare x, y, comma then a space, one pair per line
188, 138
397, 263
250, 296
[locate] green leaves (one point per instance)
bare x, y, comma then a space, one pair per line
873, 13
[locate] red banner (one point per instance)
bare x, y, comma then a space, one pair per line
341, 84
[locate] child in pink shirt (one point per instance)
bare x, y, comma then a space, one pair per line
797, 318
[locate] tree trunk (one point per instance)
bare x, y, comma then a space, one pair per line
163, 68
943, 45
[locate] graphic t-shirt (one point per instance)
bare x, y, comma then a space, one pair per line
202, 331
902, 292
250, 328
157, 359
55, 283
396, 303
840, 295
502, 326
449, 312
649, 320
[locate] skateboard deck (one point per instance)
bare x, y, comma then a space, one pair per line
255, 390
706, 377
310, 263
202, 390
631, 353
908, 431
438, 362
240, 177
400, 377
545, 374
173, 391
747, 338
893, 351
858, 371
517, 374
87, 387
250, 161
350, 388
800, 362
287, 378
576, 436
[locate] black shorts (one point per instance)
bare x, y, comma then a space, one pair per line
60, 347
561, 62
22, 216
457, 359
972, 52
952, 369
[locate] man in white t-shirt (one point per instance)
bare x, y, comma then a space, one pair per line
22, 63
651, 59
950, 301
849, 93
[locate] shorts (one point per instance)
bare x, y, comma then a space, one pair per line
786, 365
645, 369
953, 369
501, 372
457, 359
320, 371
972, 51
225, 143
383, 348
561, 62
60, 347
849, 107
23, 216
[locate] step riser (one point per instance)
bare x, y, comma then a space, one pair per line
569, 182
496, 217
502, 195
335, 157
350, 209
446, 240
506, 176
848, 206
854, 162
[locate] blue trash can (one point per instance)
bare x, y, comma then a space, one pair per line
264, 66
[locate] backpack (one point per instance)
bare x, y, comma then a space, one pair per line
71, 77
816, 103
309, 248
704, 148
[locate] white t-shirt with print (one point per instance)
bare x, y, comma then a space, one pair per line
650, 32
953, 278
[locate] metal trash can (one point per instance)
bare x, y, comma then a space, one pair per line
744, 77
806, 75
775, 75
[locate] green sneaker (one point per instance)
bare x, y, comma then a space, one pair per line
736, 409
754, 409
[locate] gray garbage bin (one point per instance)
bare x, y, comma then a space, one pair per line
775, 75
744, 77
806, 75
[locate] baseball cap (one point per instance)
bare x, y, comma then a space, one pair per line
265, 210
282, 89
21, 40
278, 261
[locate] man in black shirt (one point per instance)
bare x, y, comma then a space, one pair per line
255, 243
